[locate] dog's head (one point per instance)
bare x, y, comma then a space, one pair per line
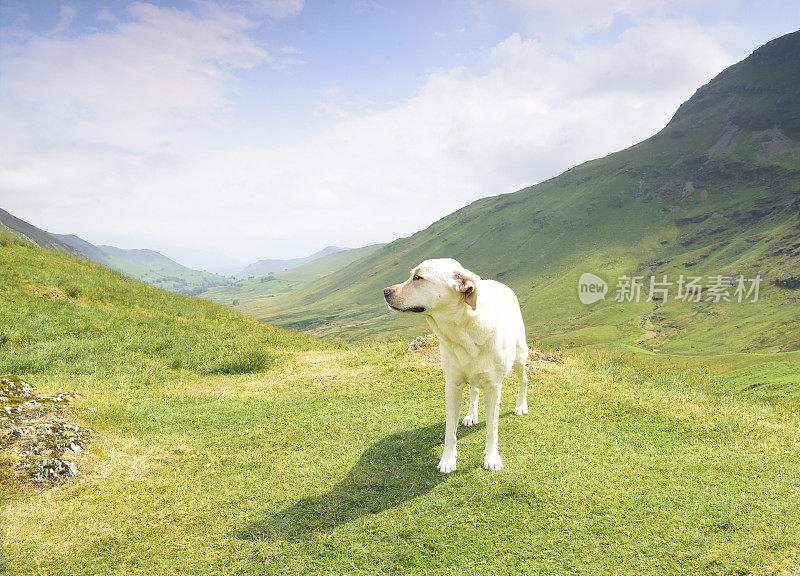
434, 285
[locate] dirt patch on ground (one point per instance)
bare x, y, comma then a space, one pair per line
330, 369
341, 370
52, 293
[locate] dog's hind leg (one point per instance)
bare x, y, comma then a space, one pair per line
472, 412
522, 391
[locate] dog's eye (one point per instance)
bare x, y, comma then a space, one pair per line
418, 277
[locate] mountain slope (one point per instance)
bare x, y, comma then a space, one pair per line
266, 267
716, 192
17, 228
146, 265
86, 249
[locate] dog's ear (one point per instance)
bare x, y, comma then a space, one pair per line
464, 282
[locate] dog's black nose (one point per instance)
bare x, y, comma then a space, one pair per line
386, 291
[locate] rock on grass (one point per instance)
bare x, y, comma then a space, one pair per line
33, 437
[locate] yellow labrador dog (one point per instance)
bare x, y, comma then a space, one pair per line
482, 337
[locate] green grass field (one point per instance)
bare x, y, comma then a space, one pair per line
226, 447
250, 296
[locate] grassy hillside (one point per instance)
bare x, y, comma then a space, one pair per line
716, 193
251, 296
146, 265
70, 317
272, 266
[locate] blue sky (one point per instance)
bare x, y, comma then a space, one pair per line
220, 133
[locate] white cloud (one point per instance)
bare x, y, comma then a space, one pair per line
532, 115
128, 87
463, 136
131, 164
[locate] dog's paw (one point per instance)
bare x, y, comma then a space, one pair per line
446, 466
470, 420
520, 410
493, 462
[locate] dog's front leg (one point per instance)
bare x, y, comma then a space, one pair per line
452, 405
491, 400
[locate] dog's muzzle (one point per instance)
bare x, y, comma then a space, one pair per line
388, 294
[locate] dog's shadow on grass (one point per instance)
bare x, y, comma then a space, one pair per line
394, 470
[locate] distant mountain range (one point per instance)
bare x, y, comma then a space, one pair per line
715, 195
145, 265
266, 267
156, 269
250, 295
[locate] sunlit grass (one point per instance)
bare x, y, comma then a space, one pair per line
327, 465
319, 458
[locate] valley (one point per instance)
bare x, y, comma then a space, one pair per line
280, 424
